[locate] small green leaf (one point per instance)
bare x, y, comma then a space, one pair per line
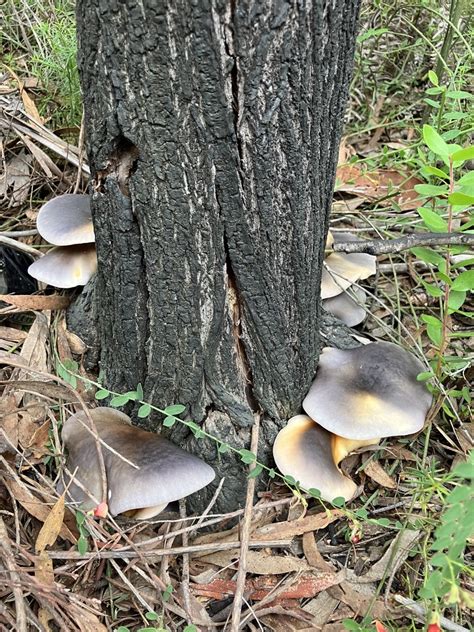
434, 91
151, 616
196, 430
455, 116
139, 391
223, 448
175, 409
460, 199
432, 290
434, 328
71, 365
144, 411
166, 594
314, 493
289, 480
427, 255
424, 376
119, 400
169, 422
383, 522
102, 394
122, 628
82, 545
430, 190
247, 457
433, 77
271, 473
435, 334
456, 300
370, 33
467, 179
465, 281
190, 628
458, 94
339, 501
255, 471
434, 141
432, 220
464, 154
434, 171
434, 104
132, 395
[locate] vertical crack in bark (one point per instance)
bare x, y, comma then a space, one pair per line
234, 298
234, 305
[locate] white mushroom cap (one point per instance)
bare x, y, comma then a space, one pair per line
368, 392
166, 472
348, 310
66, 220
303, 450
66, 267
342, 270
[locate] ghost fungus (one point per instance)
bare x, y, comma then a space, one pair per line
303, 450
66, 220
66, 267
368, 392
164, 472
351, 312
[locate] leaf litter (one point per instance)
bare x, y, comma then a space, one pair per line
303, 573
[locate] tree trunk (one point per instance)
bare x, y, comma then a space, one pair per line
213, 129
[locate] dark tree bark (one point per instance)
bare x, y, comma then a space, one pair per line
213, 128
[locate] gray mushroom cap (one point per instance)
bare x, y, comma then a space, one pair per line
166, 472
66, 267
351, 312
303, 450
368, 392
66, 220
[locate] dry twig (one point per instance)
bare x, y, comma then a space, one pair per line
245, 537
387, 246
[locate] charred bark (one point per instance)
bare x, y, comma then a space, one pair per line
213, 129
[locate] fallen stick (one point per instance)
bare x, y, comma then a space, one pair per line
179, 550
390, 246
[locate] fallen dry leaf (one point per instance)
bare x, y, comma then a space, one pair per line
304, 586
44, 571
258, 562
29, 105
395, 555
38, 509
321, 607
288, 530
12, 334
48, 389
379, 475
383, 183
15, 181
36, 302
287, 620
312, 554
38, 444
76, 345
51, 528
8, 423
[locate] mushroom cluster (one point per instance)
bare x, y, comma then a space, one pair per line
66, 222
340, 272
358, 397
144, 471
